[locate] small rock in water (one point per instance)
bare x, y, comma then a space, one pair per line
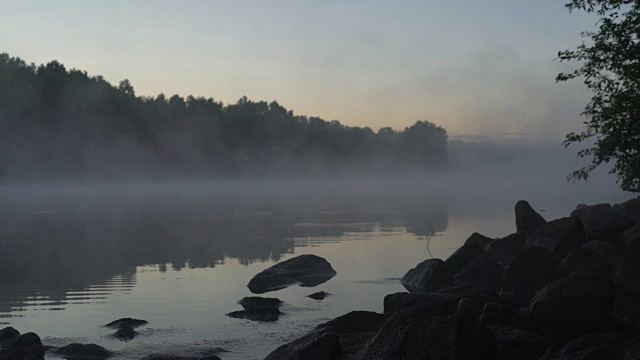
305, 270
25, 347
252, 302
86, 351
125, 333
320, 295
134, 323
258, 308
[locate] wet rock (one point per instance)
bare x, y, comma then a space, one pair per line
83, 351
503, 250
305, 270
355, 322
134, 323
463, 256
600, 346
527, 219
125, 333
481, 272
8, 334
478, 239
579, 298
265, 314
558, 236
252, 302
430, 275
593, 216
320, 295
24, 347
529, 271
525, 342
626, 274
320, 344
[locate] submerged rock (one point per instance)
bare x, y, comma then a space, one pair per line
429, 275
527, 219
125, 333
83, 351
258, 309
305, 270
134, 323
320, 295
24, 347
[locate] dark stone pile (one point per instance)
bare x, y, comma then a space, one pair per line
563, 289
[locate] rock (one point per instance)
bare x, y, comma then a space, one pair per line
252, 302
631, 236
507, 353
612, 229
529, 271
481, 272
305, 270
463, 256
579, 298
558, 236
351, 344
134, 323
170, 357
125, 333
472, 340
523, 341
24, 347
503, 250
320, 295
86, 351
264, 314
593, 216
498, 315
527, 219
478, 239
8, 334
320, 344
469, 307
600, 346
605, 249
430, 275
626, 274
627, 311
355, 322
586, 260
630, 208
433, 304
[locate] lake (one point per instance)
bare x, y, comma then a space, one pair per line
179, 255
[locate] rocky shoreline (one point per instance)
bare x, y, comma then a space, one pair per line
562, 289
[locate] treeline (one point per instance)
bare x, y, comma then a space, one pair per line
58, 124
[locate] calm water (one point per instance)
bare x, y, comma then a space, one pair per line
73, 258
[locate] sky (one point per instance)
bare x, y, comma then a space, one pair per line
480, 69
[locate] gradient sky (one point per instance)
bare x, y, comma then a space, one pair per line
480, 68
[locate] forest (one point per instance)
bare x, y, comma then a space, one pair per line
64, 124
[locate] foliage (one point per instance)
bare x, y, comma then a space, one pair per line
610, 68
59, 123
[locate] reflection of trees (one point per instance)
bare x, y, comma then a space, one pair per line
87, 242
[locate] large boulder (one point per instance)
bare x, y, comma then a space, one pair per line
503, 250
626, 274
443, 302
612, 230
463, 256
482, 272
529, 271
24, 347
598, 346
525, 342
478, 239
586, 260
593, 216
305, 270
320, 344
428, 276
7, 335
527, 219
631, 236
579, 298
558, 236
630, 208
83, 351
355, 322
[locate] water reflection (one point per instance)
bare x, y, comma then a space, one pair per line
60, 250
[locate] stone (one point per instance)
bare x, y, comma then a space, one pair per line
586, 260
320, 344
320, 295
264, 314
428, 276
89, 351
134, 323
612, 230
523, 341
600, 346
125, 333
355, 322
593, 217
527, 273
527, 219
471, 339
8, 334
304, 270
481, 272
24, 347
579, 298
463, 256
630, 208
626, 274
631, 236
478, 239
558, 236
503, 250
252, 302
